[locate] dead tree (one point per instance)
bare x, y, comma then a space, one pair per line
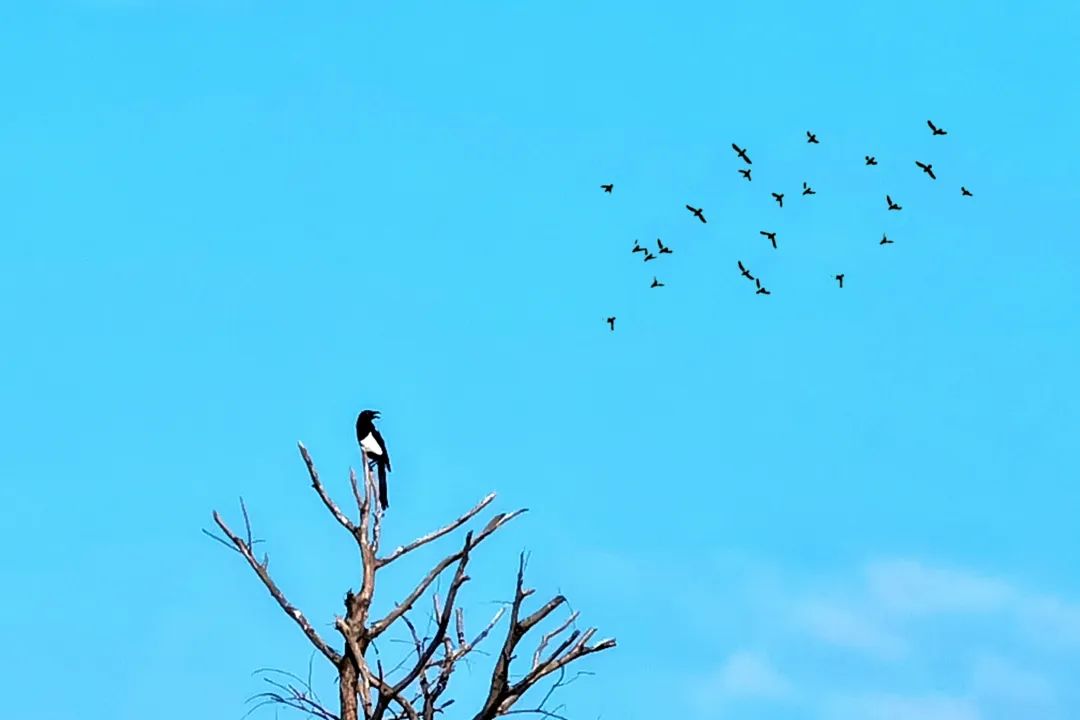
366, 689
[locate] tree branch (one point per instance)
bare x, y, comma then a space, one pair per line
341, 517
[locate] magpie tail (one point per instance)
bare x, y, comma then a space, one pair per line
385, 501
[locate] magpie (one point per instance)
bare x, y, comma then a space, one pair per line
744, 272
697, 213
936, 129
779, 197
807, 190
928, 169
964, 191
371, 442
656, 283
892, 205
746, 173
885, 240
637, 247
771, 236
609, 187
811, 138
761, 290
742, 153
649, 256
871, 160
840, 279
664, 249
611, 321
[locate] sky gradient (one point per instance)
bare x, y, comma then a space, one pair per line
228, 226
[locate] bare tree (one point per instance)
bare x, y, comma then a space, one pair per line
415, 690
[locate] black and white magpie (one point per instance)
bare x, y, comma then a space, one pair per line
371, 442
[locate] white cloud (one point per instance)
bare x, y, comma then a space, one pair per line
749, 674
847, 628
997, 680
911, 587
900, 707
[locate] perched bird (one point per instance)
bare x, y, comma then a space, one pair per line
885, 240
663, 248
771, 236
371, 442
871, 160
811, 138
965, 191
761, 290
611, 321
936, 129
656, 283
649, 256
742, 153
637, 248
807, 190
744, 272
840, 279
779, 197
697, 213
608, 188
745, 172
928, 169
892, 205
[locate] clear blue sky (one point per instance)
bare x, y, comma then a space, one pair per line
228, 226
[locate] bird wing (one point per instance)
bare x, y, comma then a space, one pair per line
691, 209
888, 200
371, 443
931, 124
736, 148
920, 164
377, 436
932, 175
741, 266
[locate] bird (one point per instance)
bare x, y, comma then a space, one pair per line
840, 279
936, 129
892, 205
611, 321
965, 191
656, 283
608, 188
697, 213
742, 153
664, 249
744, 272
746, 173
638, 248
807, 190
771, 236
811, 138
871, 160
760, 289
779, 198
649, 256
371, 443
885, 240
928, 169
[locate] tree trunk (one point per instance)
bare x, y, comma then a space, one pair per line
347, 687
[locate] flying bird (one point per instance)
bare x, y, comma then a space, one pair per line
664, 249
771, 236
611, 321
811, 138
371, 442
965, 191
892, 205
656, 283
742, 153
649, 256
840, 279
745, 173
807, 190
779, 197
761, 290
637, 248
885, 240
697, 213
608, 188
871, 160
744, 272
928, 169
936, 129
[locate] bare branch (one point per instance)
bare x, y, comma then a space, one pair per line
341, 517
403, 549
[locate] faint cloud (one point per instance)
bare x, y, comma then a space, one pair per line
749, 674
999, 680
900, 707
911, 587
849, 629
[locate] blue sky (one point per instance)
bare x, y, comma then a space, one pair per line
228, 226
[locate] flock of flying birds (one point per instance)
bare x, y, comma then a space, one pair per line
699, 213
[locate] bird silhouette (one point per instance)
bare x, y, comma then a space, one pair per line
807, 190
649, 256
611, 321
779, 197
871, 160
697, 213
892, 205
637, 248
373, 448
664, 249
656, 283
608, 188
840, 279
928, 169
885, 240
761, 290
744, 272
742, 153
965, 191
811, 138
745, 172
770, 235
936, 129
